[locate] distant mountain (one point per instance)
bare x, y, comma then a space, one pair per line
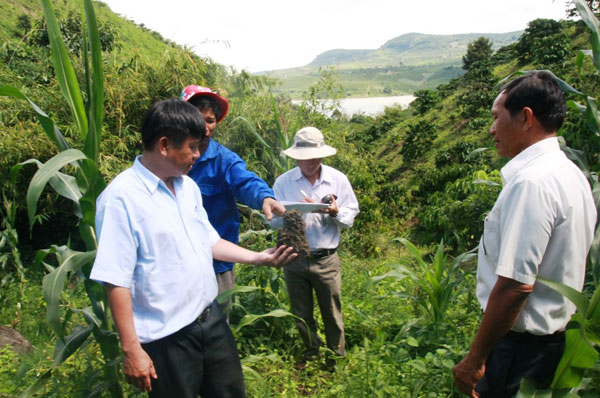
402, 65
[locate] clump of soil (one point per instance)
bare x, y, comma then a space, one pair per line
293, 233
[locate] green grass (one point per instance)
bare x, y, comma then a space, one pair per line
391, 346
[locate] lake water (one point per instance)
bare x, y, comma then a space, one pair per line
372, 106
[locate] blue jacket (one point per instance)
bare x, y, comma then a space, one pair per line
223, 178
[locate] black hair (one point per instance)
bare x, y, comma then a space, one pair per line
540, 92
204, 103
172, 118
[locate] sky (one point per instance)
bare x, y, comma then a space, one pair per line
259, 35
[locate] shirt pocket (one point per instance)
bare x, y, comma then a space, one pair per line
210, 189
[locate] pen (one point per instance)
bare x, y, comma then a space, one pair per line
304, 193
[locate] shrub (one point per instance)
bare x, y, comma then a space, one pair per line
456, 214
418, 140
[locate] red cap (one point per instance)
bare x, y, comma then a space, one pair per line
193, 90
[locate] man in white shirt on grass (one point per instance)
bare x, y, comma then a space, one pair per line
542, 224
313, 181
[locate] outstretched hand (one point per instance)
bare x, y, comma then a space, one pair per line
276, 257
270, 206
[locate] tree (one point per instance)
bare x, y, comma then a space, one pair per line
543, 43
425, 100
478, 50
418, 140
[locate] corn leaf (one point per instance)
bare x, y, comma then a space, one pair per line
47, 171
578, 356
223, 297
576, 106
63, 350
576, 297
65, 74
591, 115
592, 22
94, 82
63, 184
413, 250
564, 86
53, 283
47, 124
249, 319
594, 253
39, 384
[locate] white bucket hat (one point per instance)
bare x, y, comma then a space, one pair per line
309, 144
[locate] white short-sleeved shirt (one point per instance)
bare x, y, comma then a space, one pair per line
159, 246
541, 224
322, 231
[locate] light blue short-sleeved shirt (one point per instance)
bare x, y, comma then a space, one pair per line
158, 245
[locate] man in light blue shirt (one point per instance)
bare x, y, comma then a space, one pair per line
155, 252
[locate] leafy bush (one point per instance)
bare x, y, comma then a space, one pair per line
425, 100
418, 140
543, 43
456, 214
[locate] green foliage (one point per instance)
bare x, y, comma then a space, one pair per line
82, 189
425, 100
324, 95
11, 265
583, 336
456, 213
418, 140
544, 43
477, 51
71, 31
24, 23
8, 372
438, 280
477, 95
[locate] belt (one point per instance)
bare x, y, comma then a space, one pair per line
525, 337
320, 253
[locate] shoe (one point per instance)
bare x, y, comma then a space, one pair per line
330, 364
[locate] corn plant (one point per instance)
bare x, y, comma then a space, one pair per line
437, 281
81, 187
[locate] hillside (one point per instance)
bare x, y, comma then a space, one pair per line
407, 63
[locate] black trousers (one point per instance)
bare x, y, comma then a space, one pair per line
518, 356
200, 359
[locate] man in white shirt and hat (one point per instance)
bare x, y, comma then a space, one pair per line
542, 224
313, 181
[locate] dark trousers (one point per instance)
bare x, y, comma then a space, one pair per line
200, 359
518, 356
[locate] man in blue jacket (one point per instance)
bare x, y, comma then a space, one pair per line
223, 178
